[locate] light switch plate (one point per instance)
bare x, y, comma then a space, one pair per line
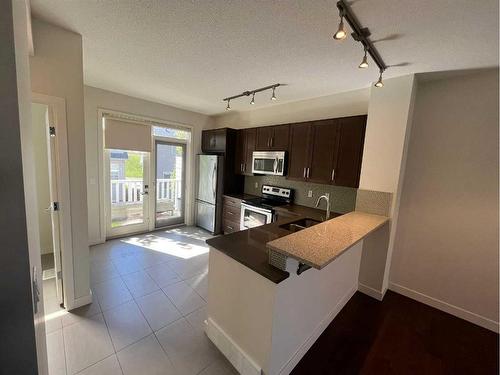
256, 185
310, 194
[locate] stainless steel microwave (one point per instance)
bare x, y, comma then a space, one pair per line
269, 162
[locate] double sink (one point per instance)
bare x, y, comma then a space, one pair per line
300, 224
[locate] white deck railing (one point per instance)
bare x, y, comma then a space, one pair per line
130, 191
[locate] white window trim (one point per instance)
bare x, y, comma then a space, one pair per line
190, 160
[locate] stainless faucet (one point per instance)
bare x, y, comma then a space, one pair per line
326, 197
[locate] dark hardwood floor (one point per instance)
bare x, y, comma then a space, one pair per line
400, 336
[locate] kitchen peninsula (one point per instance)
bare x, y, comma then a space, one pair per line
265, 317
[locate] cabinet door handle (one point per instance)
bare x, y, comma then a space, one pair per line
304, 175
244, 167
268, 142
272, 141
230, 213
333, 174
307, 172
230, 227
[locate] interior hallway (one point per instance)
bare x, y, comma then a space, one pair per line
148, 311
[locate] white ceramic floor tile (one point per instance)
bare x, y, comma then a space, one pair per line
158, 310
127, 264
86, 343
111, 293
163, 275
184, 297
220, 367
126, 325
187, 268
102, 271
80, 314
197, 319
140, 283
55, 353
189, 350
145, 357
108, 366
200, 284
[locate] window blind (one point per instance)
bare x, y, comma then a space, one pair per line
125, 135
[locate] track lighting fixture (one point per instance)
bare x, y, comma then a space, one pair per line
274, 95
379, 83
359, 34
341, 33
252, 92
364, 62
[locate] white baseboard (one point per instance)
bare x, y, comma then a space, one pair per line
79, 302
238, 358
446, 307
297, 356
369, 291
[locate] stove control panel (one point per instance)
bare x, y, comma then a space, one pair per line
277, 191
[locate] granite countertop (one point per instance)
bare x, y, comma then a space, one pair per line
249, 247
320, 244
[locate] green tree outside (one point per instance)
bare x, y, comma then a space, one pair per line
133, 166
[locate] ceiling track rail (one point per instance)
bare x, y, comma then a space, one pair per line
360, 34
251, 92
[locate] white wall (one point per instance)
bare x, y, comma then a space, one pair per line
446, 247
338, 105
385, 134
57, 70
388, 128
38, 115
20, 24
96, 99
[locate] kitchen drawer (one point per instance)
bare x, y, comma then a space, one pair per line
230, 226
230, 201
232, 213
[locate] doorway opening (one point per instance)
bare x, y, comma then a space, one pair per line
48, 200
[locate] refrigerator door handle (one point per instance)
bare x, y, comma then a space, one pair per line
214, 181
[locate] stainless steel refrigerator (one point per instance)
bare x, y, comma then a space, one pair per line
209, 192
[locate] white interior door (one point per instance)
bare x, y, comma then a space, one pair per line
54, 204
127, 192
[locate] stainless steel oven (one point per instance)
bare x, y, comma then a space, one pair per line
252, 216
269, 162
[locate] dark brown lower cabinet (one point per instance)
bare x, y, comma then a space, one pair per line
231, 214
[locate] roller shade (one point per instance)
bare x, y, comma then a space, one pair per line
124, 135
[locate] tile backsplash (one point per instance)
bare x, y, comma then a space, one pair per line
343, 199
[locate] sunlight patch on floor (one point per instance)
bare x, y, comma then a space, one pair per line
169, 246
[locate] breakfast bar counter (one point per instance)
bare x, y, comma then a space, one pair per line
263, 318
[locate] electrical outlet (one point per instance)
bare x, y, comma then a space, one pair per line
310, 194
256, 185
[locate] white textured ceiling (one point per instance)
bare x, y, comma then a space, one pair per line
191, 54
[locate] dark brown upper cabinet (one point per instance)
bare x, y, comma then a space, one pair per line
245, 146
350, 151
299, 153
214, 141
272, 138
327, 151
323, 151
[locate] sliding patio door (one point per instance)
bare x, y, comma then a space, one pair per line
127, 192
170, 168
